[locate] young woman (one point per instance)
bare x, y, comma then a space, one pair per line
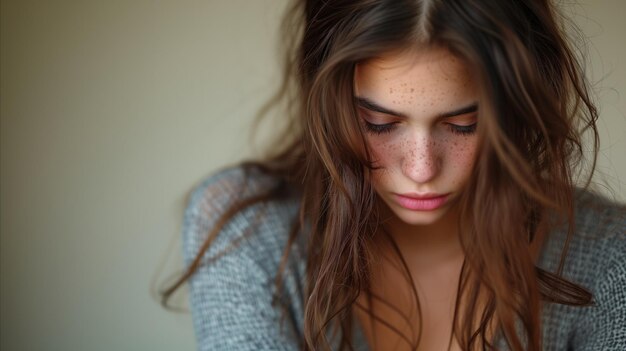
426, 197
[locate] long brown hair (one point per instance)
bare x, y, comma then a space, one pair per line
534, 109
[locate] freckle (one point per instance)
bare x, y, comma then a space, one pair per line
390, 90
412, 90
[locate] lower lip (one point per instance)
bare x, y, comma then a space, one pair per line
428, 204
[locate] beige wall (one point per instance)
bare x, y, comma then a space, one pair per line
111, 111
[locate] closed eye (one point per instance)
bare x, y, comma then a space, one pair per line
379, 128
462, 129
463, 124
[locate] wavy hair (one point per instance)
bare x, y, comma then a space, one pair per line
534, 109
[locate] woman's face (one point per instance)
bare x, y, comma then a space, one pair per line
419, 112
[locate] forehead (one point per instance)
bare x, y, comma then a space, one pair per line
415, 74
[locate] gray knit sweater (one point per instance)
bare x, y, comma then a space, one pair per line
231, 296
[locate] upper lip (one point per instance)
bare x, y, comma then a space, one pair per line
422, 196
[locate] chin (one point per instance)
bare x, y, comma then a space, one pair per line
419, 218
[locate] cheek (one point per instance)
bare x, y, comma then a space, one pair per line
384, 150
461, 154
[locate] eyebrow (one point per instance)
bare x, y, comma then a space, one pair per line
372, 106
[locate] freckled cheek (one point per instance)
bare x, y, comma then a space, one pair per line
384, 151
461, 153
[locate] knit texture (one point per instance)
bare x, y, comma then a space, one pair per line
231, 293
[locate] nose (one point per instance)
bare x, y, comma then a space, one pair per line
421, 162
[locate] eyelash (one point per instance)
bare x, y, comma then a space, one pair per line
379, 129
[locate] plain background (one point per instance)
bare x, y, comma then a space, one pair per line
112, 110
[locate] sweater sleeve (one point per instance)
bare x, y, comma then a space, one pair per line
230, 297
603, 326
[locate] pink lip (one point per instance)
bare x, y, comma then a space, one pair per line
421, 202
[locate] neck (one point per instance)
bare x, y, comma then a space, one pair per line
425, 245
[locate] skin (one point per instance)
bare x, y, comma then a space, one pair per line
421, 154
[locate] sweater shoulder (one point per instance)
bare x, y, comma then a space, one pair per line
598, 239
595, 259
256, 229
598, 217
237, 244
